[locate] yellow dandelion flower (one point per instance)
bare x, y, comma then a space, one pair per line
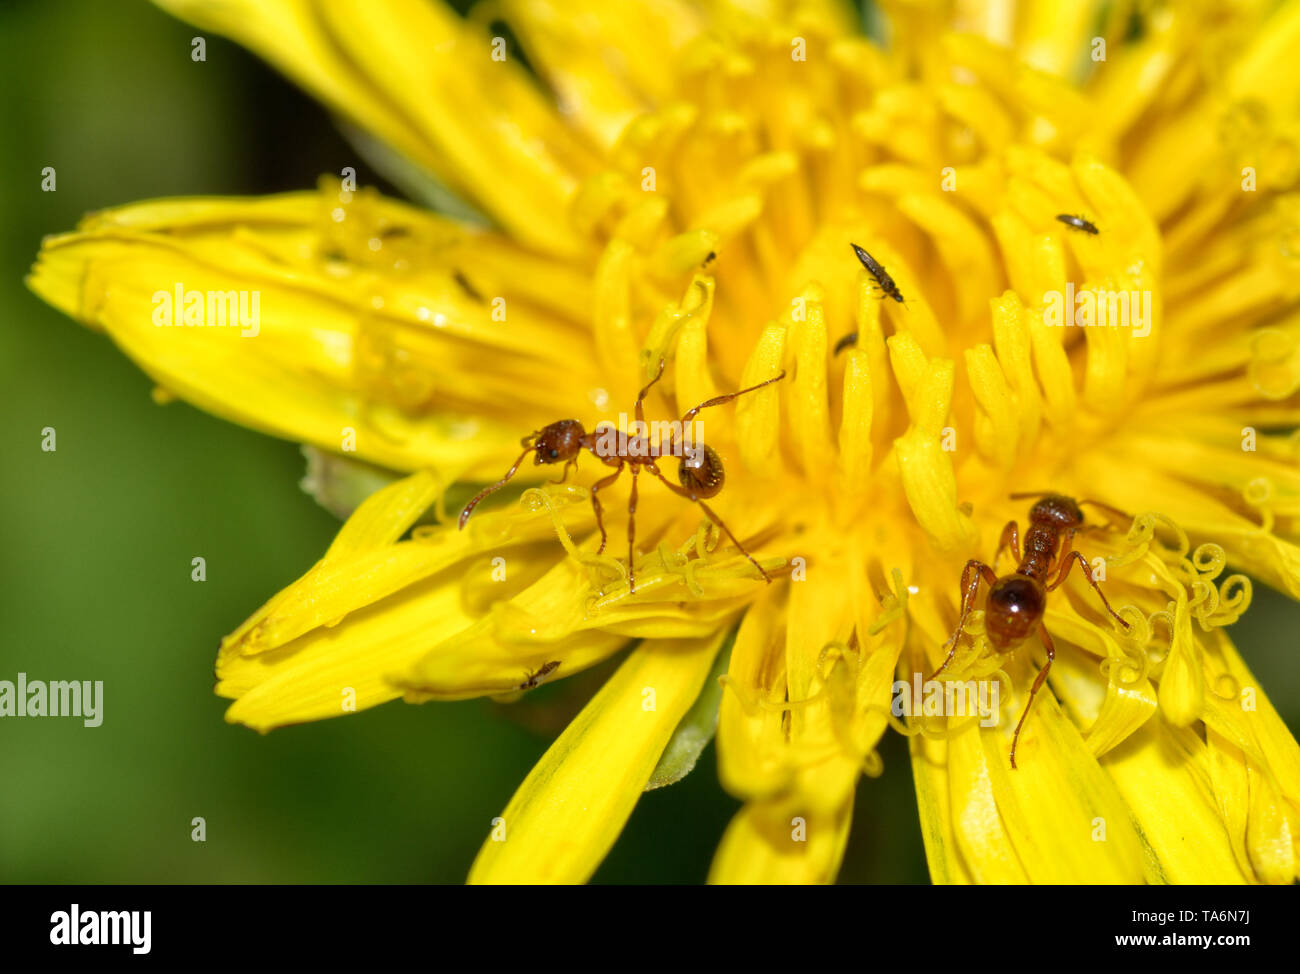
683, 182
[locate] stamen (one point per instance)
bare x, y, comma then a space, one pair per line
893, 605
536, 498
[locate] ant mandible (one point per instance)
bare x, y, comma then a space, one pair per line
700, 471
1016, 602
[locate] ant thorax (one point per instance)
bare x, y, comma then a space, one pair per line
1041, 542
639, 439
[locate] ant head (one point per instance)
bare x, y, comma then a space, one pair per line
1057, 509
558, 442
1015, 604
701, 471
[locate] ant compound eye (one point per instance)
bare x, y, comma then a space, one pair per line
554, 454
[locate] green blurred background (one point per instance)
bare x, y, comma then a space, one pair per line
98, 536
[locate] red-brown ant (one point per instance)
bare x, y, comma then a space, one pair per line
1016, 602
700, 471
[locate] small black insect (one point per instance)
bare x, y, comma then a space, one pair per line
885, 283
875, 270
466, 286
850, 339
709, 259
1078, 222
534, 680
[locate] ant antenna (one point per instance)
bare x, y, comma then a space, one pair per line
1113, 511
492, 489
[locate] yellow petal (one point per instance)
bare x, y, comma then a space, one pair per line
335, 348
775, 843
426, 82
566, 815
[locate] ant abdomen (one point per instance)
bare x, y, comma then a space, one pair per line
701, 471
1014, 608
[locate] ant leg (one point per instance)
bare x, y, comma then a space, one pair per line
719, 400
970, 583
631, 533
564, 474
1067, 546
683, 492
1010, 538
595, 502
640, 400
1038, 682
1087, 573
